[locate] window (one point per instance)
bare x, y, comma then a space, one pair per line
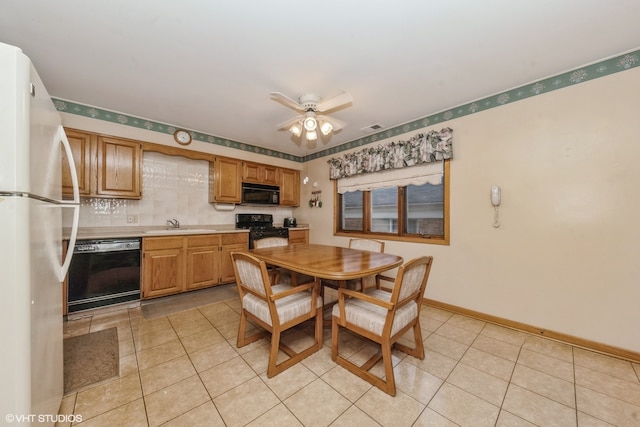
417, 213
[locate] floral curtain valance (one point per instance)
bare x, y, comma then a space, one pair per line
422, 148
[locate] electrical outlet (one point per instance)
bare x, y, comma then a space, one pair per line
132, 219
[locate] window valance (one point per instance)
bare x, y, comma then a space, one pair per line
427, 147
427, 173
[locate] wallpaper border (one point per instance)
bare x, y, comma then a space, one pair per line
579, 75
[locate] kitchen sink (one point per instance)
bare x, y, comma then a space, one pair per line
181, 231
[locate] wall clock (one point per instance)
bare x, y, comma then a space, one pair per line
182, 137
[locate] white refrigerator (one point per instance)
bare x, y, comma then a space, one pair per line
31, 264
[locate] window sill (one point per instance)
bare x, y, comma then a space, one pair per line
382, 236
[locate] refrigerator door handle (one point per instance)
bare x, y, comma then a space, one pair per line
75, 204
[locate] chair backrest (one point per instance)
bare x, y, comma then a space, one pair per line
269, 242
250, 273
367, 245
412, 279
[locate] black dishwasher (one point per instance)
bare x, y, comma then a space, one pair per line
103, 272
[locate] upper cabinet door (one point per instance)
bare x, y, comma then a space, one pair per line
289, 187
260, 174
225, 185
119, 166
80, 143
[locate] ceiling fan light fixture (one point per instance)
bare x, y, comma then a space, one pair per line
296, 129
326, 128
310, 123
311, 135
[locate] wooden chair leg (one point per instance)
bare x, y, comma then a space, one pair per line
242, 340
418, 350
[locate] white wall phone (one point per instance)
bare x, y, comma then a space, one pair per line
496, 198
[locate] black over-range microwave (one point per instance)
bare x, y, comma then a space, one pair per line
259, 194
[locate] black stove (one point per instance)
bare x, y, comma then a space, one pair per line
260, 226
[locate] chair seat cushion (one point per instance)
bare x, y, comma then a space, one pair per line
372, 317
288, 307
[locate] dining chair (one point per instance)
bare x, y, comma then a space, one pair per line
358, 284
270, 242
275, 309
383, 317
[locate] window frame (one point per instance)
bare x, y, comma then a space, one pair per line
366, 217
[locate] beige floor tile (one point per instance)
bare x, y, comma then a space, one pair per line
477, 412
320, 362
435, 313
213, 355
398, 410
128, 365
507, 419
203, 415
191, 328
227, 375
221, 314
289, 381
126, 347
548, 347
201, 340
434, 363
416, 383
278, 416
154, 338
354, 416
246, 402
165, 374
186, 316
317, 404
537, 409
626, 391
430, 418
544, 384
131, 414
507, 335
496, 347
547, 364
479, 383
230, 330
73, 328
466, 323
175, 400
456, 333
445, 346
347, 384
585, 420
105, 397
142, 326
66, 408
605, 408
609, 365
160, 354
489, 363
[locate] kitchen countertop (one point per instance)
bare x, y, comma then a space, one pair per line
85, 233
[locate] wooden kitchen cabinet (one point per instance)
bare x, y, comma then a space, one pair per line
175, 264
163, 265
225, 180
107, 167
260, 174
80, 143
289, 187
298, 236
230, 243
203, 261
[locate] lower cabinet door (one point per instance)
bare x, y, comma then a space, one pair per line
163, 272
202, 267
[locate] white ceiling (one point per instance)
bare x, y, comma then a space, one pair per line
209, 66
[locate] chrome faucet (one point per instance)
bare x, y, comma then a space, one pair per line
173, 223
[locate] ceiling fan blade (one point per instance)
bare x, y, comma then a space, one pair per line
287, 124
337, 124
335, 102
286, 101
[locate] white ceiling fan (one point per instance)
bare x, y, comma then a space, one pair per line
310, 122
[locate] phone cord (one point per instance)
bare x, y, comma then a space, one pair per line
496, 220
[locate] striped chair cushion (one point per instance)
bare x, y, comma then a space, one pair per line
372, 317
288, 307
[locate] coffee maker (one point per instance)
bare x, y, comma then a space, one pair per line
290, 222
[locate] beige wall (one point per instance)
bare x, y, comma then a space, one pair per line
564, 257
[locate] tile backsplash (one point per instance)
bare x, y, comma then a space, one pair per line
172, 187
